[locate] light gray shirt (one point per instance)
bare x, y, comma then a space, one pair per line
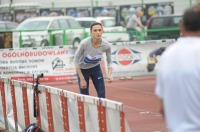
132, 22
87, 56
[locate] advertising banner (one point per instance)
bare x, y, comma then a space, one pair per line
78, 12
126, 11
130, 59
52, 12
54, 62
21, 15
159, 9
148, 10
104, 11
6, 16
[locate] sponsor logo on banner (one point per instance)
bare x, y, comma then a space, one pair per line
126, 57
57, 63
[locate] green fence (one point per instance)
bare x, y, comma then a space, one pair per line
51, 37
58, 37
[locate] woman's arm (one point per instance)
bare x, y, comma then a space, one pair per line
77, 57
109, 62
82, 79
110, 78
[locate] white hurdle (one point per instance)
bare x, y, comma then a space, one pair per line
57, 110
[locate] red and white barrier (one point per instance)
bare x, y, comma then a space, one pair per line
58, 110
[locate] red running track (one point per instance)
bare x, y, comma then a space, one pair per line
140, 103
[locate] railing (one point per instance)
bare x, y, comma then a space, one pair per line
58, 37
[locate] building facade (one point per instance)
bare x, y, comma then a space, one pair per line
18, 10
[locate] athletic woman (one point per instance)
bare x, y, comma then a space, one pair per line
87, 58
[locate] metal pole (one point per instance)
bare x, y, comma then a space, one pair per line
52, 5
190, 3
10, 5
91, 8
97, 3
142, 1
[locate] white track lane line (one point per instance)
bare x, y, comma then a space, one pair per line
138, 109
131, 89
143, 110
